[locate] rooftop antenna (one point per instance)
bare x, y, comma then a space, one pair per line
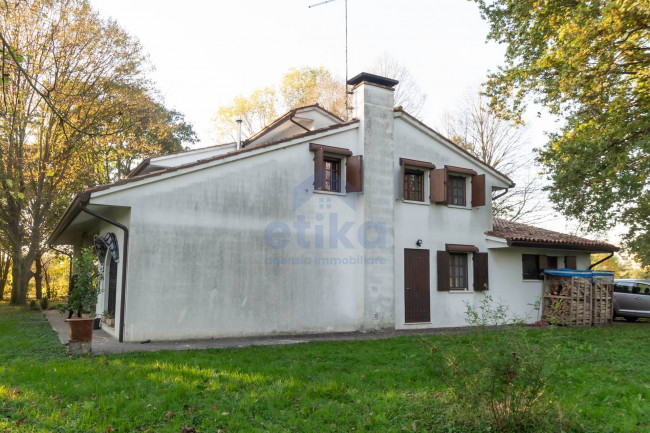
347, 106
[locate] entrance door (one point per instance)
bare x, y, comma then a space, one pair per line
416, 286
112, 286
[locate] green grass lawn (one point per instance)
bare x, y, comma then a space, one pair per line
601, 383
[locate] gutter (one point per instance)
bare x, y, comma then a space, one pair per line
505, 191
296, 123
125, 258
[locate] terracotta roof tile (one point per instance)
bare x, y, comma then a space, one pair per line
518, 234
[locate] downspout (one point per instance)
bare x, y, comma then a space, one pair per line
600, 261
125, 258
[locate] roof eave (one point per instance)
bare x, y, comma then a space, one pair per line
70, 214
564, 246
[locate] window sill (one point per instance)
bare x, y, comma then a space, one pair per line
457, 291
417, 323
421, 203
341, 194
453, 206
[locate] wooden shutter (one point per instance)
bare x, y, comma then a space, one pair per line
319, 169
570, 262
543, 262
443, 271
438, 186
354, 173
530, 266
478, 190
480, 271
402, 172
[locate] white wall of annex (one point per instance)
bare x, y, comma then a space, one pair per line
508, 286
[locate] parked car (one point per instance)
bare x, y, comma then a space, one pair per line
631, 299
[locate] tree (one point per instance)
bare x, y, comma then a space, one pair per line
153, 130
69, 79
408, 93
298, 87
5, 266
476, 128
256, 111
588, 63
306, 86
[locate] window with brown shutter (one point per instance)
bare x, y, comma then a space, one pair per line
449, 186
530, 267
534, 264
413, 185
454, 268
412, 178
327, 166
332, 180
571, 262
458, 271
457, 190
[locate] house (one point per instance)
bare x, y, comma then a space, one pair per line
314, 225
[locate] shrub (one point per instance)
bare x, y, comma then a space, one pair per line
501, 379
33, 305
44, 303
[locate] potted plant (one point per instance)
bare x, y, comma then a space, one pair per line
83, 294
108, 318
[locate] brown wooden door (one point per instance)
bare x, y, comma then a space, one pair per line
416, 286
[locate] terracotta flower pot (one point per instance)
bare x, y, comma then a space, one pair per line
81, 329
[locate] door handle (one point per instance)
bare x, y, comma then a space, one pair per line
408, 288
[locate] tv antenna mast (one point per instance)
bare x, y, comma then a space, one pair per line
347, 106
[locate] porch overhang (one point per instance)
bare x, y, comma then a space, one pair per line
74, 222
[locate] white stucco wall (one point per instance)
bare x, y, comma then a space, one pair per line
436, 225
199, 264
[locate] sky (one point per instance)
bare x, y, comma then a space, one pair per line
207, 52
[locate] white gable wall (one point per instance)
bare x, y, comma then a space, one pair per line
436, 224
199, 264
